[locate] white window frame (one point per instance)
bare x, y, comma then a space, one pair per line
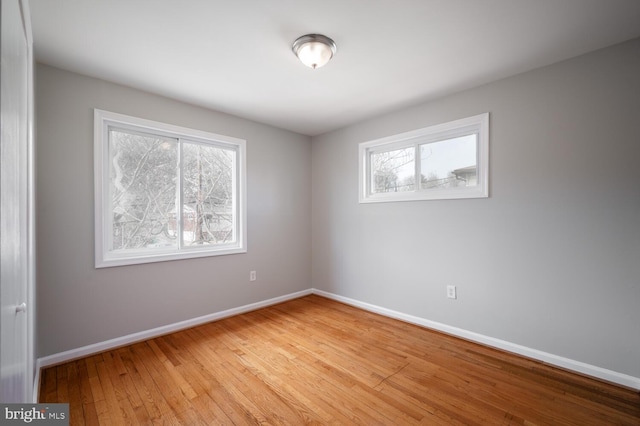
104, 257
478, 124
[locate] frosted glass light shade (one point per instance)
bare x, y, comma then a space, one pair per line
314, 50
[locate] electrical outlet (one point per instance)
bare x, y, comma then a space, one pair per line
252, 276
451, 292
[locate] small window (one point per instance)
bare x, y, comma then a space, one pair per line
445, 161
164, 192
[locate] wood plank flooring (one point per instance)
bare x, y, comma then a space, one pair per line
317, 361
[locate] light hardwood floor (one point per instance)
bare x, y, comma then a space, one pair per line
317, 361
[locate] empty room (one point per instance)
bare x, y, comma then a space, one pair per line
338, 212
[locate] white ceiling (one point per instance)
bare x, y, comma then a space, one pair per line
235, 56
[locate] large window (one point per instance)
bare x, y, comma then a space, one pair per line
445, 161
165, 192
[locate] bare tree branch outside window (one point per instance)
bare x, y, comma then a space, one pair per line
393, 171
144, 176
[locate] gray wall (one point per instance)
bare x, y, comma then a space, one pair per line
79, 305
551, 260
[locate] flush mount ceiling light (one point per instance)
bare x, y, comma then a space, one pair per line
314, 50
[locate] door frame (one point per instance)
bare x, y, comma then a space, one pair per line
32, 388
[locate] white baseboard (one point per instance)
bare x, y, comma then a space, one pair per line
555, 360
558, 361
72, 354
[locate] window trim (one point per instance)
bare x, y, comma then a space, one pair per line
478, 124
107, 258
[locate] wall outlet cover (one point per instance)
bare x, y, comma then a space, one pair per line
451, 291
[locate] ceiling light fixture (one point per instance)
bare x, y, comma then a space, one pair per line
314, 50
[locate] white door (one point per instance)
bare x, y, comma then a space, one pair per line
15, 251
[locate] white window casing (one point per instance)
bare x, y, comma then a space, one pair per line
180, 222
444, 161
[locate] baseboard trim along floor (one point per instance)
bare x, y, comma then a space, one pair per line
551, 359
